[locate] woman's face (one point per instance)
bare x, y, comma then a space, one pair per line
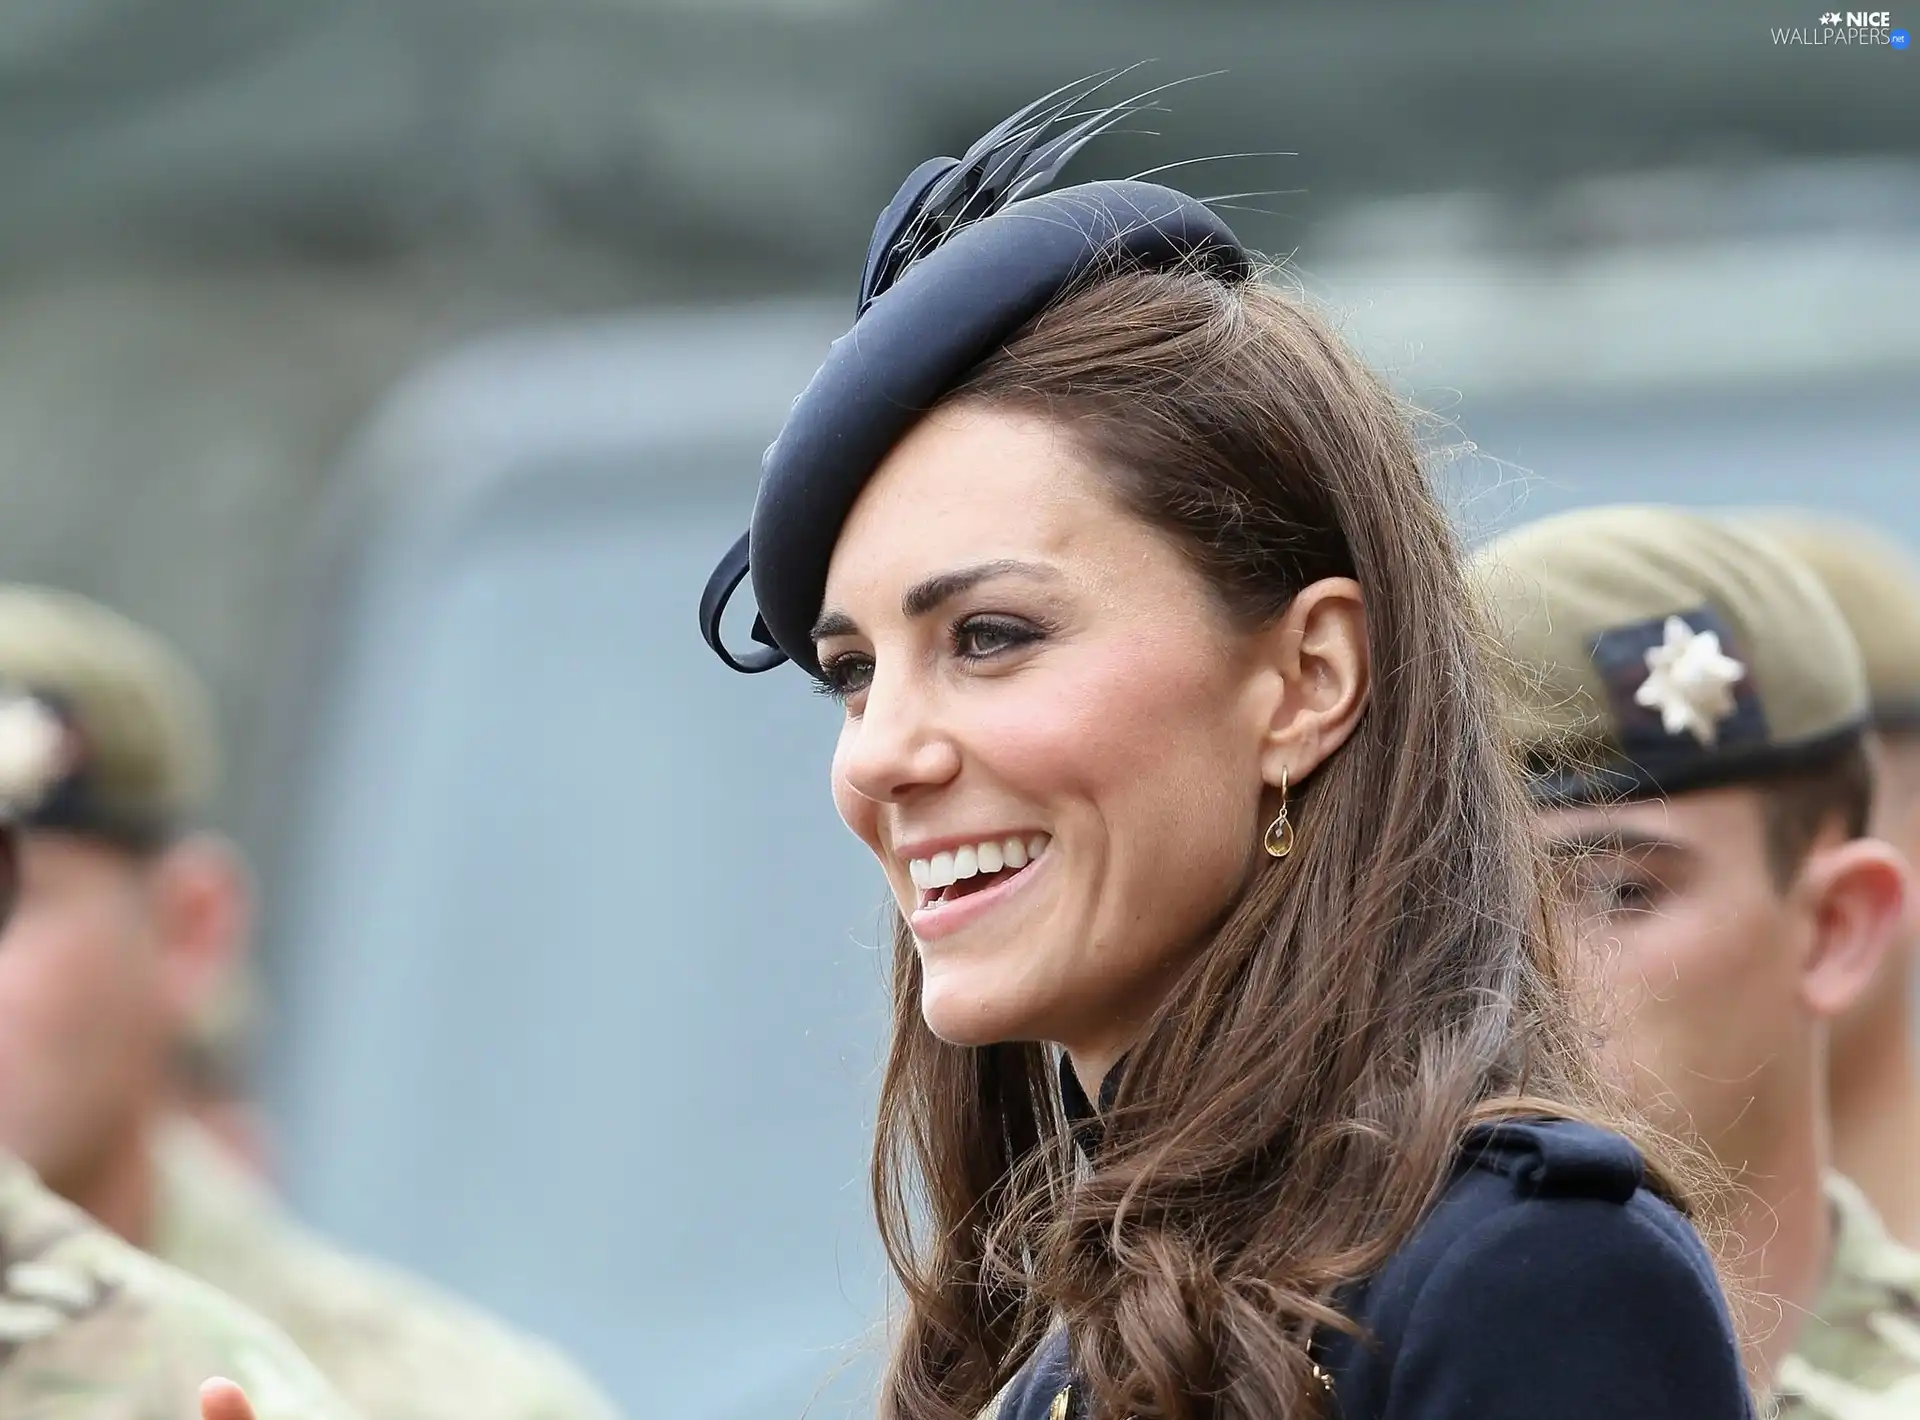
1053, 739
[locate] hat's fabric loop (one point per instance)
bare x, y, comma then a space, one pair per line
721, 586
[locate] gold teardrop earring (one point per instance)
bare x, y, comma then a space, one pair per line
1279, 839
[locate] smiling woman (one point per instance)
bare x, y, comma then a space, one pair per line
1014, 695
1232, 1072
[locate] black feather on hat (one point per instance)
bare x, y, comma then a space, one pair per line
969, 250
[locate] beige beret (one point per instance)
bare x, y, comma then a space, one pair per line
1650, 650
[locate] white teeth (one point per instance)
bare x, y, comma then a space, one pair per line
943, 870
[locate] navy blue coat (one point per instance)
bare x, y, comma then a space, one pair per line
1546, 1284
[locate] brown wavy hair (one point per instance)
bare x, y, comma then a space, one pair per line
1299, 1098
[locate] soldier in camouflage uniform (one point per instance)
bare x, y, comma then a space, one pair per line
1858, 1354
91, 1328
115, 873
1875, 1089
1693, 713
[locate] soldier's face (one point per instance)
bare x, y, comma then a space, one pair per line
1050, 746
1700, 960
82, 1026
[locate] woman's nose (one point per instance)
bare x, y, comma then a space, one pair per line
897, 747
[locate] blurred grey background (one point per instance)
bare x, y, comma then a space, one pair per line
408, 362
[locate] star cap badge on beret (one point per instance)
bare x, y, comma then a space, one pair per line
1650, 651
1876, 584
36, 749
969, 251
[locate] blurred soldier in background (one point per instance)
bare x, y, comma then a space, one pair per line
1693, 712
90, 1326
129, 926
1876, 1075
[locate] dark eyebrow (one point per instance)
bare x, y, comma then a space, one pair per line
935, 591
1610, 840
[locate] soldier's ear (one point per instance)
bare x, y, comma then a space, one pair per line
202, 902
1857, 891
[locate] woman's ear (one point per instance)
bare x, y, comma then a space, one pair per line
1318, 651
1857, 891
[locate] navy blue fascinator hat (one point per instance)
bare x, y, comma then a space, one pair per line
968, 252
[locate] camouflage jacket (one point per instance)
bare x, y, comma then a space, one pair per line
395, 1347
1858, 1353
92, 1329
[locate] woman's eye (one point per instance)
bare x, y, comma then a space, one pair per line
979, 637
844, 675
